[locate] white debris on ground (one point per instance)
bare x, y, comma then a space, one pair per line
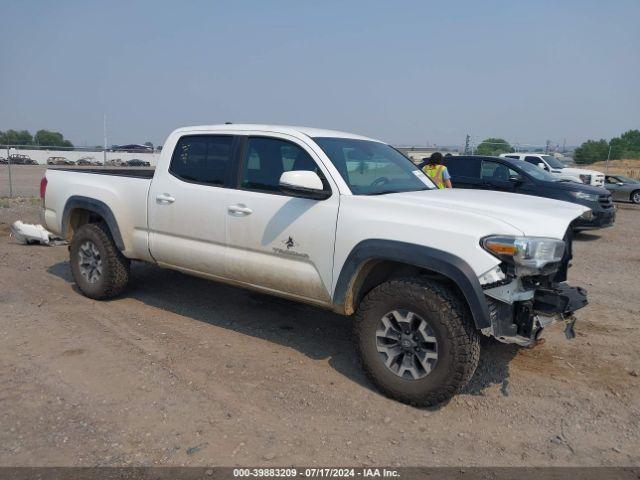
29, 234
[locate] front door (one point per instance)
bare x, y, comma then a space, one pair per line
498, 176
275, 241
187, 205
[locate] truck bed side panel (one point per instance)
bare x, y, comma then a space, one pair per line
125, 195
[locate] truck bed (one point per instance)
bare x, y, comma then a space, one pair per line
135, 172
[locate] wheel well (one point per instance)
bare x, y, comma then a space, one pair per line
79, 217
375, 272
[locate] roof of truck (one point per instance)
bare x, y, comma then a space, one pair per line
309, 131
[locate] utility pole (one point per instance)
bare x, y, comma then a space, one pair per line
9, 169
606, 168
104, 150
466, 145
547, 146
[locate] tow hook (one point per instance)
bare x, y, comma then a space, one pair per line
569, 332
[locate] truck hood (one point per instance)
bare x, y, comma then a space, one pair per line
533, 216
580, 171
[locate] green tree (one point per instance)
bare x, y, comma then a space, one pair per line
16, 137
493, 147
627, 146
52, 139
618, 148
591, 151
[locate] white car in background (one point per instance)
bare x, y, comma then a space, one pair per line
555, 167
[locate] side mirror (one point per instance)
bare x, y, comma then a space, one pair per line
621, 183
303, 184
516, 180
542, 166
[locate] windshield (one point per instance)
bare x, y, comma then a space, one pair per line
373, 168
535, 172
553, 161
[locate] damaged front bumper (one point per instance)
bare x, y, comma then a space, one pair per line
521, 309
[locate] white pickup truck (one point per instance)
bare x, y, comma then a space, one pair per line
558, 169
335, 220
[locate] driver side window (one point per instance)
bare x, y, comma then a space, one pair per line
266, 159
535, 161
498, 172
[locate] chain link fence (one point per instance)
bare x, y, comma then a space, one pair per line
23, 166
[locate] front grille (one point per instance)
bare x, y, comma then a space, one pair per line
605, 201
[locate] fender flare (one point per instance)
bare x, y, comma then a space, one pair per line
439, 261
97, 207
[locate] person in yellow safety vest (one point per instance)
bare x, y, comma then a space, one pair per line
437, 172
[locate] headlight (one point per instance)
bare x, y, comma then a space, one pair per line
585, 179
529, 254
589, 197
588, 215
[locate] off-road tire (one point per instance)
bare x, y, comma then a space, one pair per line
115, 266
458, 340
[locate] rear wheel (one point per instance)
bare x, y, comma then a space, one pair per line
415, 341
635, 197
98, 267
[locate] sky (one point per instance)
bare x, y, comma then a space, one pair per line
406, 72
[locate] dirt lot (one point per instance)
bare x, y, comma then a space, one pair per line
627, 167
181, 371
25, 180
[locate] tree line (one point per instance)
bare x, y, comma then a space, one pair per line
626, 145
42, 137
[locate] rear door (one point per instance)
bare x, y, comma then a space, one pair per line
187, 204
275, 241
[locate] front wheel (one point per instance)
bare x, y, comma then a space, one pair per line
415, 341
98, 267
635, 197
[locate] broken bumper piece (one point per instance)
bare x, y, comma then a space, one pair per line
520, 316
560, 299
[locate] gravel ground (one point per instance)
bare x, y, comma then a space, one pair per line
181, 371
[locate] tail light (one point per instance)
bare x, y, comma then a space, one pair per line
43, 188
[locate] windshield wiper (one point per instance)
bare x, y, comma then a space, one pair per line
384, 192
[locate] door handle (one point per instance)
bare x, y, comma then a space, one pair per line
164, 199
239, 210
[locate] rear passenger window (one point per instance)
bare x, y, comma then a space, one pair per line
463, 167
203, 159
266, 159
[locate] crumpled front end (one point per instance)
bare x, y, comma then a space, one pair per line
523, 301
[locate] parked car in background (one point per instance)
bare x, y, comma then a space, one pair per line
114, 162
3, 161
136, 162
89, 161
517, 176
558, 169
132, 148
623, 188
59, 161
19, 159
